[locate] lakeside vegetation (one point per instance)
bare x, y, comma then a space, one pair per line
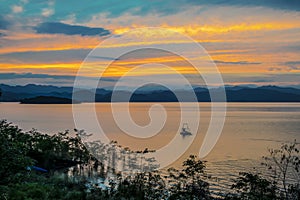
71, 171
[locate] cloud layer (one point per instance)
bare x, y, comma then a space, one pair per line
275, 4
46, 41
237, 62
3, 23
61, 28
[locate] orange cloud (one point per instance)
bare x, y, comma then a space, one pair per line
196, 29
53, 69
24, 42
257, 51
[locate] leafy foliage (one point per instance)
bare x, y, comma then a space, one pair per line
13, 152
253, 186
285, 162
62, 153
188, 183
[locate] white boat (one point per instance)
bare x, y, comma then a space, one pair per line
185, 130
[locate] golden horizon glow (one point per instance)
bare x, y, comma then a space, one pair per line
196, 29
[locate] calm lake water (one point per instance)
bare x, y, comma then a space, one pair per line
250, 129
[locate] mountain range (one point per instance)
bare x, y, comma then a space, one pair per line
152, 94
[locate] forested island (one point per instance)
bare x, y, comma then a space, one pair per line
47, 100
60, 166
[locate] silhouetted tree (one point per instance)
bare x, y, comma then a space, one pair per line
253, 187
284, 163
188, 183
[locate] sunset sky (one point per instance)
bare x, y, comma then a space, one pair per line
252, 42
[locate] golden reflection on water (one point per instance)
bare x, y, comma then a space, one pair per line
250, 128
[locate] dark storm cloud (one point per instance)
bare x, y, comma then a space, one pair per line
61, 28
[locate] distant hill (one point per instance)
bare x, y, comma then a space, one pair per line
261, 95
35, 89
46, 100
151, 94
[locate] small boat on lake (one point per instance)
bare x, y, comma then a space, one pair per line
185, 130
